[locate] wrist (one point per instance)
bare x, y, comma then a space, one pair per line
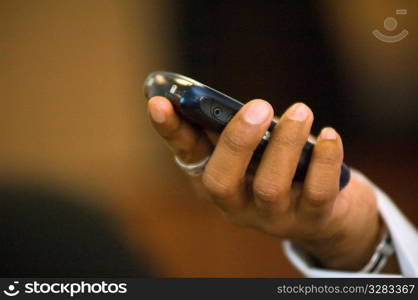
354, 237
353, 252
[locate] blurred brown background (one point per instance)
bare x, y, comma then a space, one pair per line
73, 111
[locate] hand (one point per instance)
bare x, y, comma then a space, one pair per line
339, 228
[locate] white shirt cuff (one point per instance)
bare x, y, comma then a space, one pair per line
403, 234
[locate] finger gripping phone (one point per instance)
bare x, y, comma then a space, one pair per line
211, 109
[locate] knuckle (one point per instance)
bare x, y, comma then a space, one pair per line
324, 160
328, 156
266, 191
288, 141
317, 195
235, 142
217, 187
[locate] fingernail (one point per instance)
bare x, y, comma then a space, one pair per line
257, 112
298, 112
157, 115
328, 134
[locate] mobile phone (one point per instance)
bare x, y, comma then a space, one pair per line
211, 109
